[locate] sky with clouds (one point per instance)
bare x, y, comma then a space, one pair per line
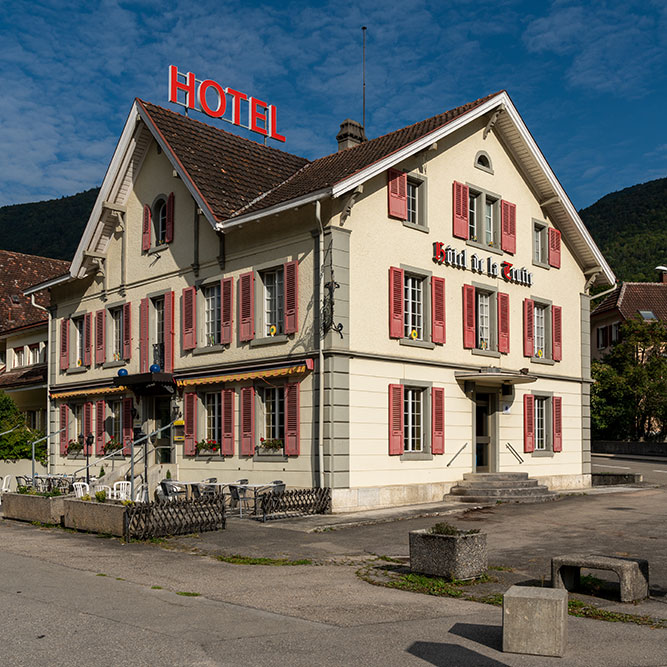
589, 79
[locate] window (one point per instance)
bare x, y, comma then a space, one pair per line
615, 333
274, 300
19, 357
32, 419
543, 331
416, 201
483, 218
158, 331
540, 334
541, 405
3, 357
212, 314
79, 340
214, 417
77, 418
648, 315
483, 162
273, 399
540, 244
413, 419
160, 221
34, 353
542, 424
483, 320
413, 310
114, 428
116, 338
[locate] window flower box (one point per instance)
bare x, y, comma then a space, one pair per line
112, 446
271, 445
207, 447
107, 518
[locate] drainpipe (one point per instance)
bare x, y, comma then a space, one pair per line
609, 291
48, 376
320, 352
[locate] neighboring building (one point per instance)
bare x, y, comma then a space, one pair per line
645, 300
455, 321
23, 332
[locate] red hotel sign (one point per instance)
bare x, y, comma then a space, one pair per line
211, 98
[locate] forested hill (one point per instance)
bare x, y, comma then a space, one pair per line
630, 228
48, 228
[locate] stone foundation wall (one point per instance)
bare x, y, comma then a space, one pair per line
376, 497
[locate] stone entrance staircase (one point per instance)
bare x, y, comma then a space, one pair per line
506, 487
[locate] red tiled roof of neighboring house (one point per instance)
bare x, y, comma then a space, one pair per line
17, 272
237, 176
22, 377
630, 298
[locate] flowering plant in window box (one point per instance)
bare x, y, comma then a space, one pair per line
207, 445
272, 444
74, 447
112, 446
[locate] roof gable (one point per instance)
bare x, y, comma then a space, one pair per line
630, 298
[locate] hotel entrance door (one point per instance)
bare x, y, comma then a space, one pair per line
485, 455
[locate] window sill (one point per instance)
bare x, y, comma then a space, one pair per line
417, 226
113, 364
487, 248
158, 248
542, 453
542, 360
209, 349
543, 265
76, 369
267, 456
216, 456
416, 456
269, 340
486, 353
424, 344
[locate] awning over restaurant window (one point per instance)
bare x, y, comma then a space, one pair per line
88, 392
287, 371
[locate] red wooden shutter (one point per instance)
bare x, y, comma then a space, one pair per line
291, 294
226, 310
64, 424
557, 402
100, 416
227, 400
64, 344
169, 227
395, 419
143, 336
503, 323
100, 336
87, 339
247, 306
247, 421
554, 248
528, 327
438, 334
395, 303
189, 318
190, 419
556, 333
87, 426
468, 316
128, 425
397, 190
460, 197
127, 331
508, 226
292, 419
438, 420
528, 423
169, 298
146, 229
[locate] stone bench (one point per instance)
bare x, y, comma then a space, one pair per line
632, 573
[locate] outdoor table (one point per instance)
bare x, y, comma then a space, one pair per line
254, 488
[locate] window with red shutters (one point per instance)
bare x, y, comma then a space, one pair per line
100, 336
395, 302
460, 213
169, 231
438, 420
528, 327
127, 331
169, 331
291, 277
292, 419
128, 425
557, 404
247, 421
438, 310
397, 186
227, 448
143, 336
508, 226
469, 333
503, 323
100, 417
64, 429
88, 339
554, 248
64, 344
87, 426
189, 318
528, 423
395, 419
557, 333
146, 229
247, 306
226, 310
190, 419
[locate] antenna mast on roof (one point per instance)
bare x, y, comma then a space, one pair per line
363, 74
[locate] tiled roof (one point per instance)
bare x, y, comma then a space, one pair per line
630, 298
17, 272
22, 377
237, 176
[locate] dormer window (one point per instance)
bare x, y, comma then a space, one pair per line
483, 162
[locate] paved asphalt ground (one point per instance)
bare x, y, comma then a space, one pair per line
653, 471
57, 609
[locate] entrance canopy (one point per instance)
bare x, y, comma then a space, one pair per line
495, 377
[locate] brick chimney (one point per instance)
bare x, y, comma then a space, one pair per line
662, 274
351, 133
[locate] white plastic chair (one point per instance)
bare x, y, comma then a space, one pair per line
141, 493
6, 483
122, 490
103, 487
81, 489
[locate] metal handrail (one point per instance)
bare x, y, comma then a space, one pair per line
516, 454
12, 429
457, 453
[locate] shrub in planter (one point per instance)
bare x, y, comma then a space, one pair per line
447, 552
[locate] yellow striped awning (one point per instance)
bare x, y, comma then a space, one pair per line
246, 375
88, 392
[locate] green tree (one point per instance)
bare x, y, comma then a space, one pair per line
16, 444
629, 394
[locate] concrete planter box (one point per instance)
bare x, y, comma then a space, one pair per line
448, 556
25, 507
107, 518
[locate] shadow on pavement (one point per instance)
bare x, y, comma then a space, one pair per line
447, 655
487, 635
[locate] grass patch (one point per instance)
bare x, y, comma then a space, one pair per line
120, 579
156, 588
188, 594
389, 559
500, 568
584, 610
247, 560
100, 574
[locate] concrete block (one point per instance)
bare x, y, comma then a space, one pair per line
448, 556
33, 508
535, 621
